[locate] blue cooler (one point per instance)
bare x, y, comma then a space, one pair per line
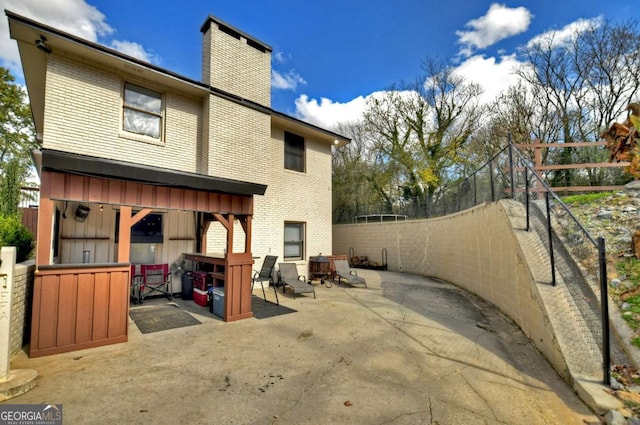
217, 301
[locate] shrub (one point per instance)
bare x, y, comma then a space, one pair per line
14, 233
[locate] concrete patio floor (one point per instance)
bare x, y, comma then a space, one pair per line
405, 350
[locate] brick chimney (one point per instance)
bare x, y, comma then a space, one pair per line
235, 62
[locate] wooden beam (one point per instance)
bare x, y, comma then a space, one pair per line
140, 215
219, 217
586, 165
560, 145
570, 189
45, 231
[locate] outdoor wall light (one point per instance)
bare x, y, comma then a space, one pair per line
41, 44
82, 211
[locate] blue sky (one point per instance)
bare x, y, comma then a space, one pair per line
328, 55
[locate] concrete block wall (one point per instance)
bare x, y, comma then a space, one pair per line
476, 250
91, 98
20, 307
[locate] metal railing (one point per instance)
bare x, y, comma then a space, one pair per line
575, 255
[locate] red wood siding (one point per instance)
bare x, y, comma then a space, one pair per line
79, 308
94, 189
237, 291
30, 219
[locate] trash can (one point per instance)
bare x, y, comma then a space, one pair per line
216, 306
187, 286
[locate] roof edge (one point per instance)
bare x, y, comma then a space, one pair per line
101, 48
207, 24
108, 168
212, 90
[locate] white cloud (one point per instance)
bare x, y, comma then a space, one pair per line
288, 81
566, 34
493, 75
500, 22
75, 17
279, 56
134, 49
326, 113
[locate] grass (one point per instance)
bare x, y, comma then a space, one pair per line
631, 317
586, 198
630, 267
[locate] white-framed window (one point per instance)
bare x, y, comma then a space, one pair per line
293, 241
293, 152
142, 111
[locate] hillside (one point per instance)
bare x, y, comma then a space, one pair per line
616, 217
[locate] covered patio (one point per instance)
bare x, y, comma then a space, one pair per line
82, 301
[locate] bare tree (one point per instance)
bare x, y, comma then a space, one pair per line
420, 131
357, 179
587, 79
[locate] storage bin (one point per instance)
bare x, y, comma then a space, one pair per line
187, 286
200, 297
217, 302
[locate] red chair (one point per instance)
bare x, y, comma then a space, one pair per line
154, 278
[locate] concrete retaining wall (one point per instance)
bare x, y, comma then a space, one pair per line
476, 249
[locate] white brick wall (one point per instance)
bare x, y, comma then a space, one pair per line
238, 137
295, 196
290, 195
20, 299
83, 114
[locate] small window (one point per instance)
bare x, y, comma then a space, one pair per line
142, 111
293, 152
293, 241
147, 230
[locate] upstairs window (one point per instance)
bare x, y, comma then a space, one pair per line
142, 111
293, 152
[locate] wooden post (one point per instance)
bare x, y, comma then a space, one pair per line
537, 155
124, 235
246, 226
45, 232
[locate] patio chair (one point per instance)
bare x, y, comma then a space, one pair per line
136, 285
298, 283
343, 271
266, 275
155, 278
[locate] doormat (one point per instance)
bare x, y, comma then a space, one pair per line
264, 310
161, 318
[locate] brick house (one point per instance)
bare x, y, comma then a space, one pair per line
206, 165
